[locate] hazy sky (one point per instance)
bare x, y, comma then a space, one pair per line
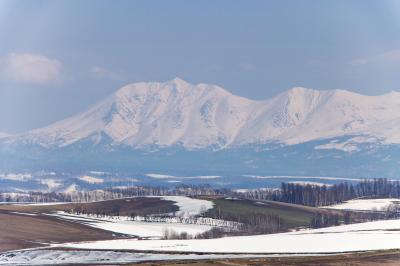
59, 57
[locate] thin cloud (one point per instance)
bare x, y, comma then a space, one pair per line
32, 68
102, 72
391, 56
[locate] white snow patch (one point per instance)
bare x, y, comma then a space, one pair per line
125, 225
346, 238
206, 177
40, 203
91, 179
71, 189
365, 204
51, 183
242, 190
162, 176
189, 206
55, 257
150, 230
25, 213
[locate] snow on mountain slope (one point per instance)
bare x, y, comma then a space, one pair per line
304, 115
198, 116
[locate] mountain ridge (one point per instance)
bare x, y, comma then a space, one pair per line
204, 115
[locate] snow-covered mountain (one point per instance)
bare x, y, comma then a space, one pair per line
202, 115
185, 129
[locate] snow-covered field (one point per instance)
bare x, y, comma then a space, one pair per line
54, 257
346, 238
365, 204
124, 225
377, 235
190, 207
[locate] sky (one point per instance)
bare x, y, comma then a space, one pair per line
58, 58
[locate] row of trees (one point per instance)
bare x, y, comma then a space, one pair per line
316, 195
305, 194
142, 191
111, 193
34, 197
251, 223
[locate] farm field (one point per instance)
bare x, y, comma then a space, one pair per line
291, 214
69, 231
19, 231
30, 225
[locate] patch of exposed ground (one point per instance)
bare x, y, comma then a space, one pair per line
18, 231
124, 207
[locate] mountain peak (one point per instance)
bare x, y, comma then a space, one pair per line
176, 112
179, 81
301, 90
306, 93
301, 95
176, 86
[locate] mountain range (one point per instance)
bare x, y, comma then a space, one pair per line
167, 124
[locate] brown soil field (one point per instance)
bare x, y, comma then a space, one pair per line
18, 231
126, 206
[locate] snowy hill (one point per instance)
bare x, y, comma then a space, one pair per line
201, 116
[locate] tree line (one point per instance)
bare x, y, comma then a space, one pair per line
323, 195
304, 194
